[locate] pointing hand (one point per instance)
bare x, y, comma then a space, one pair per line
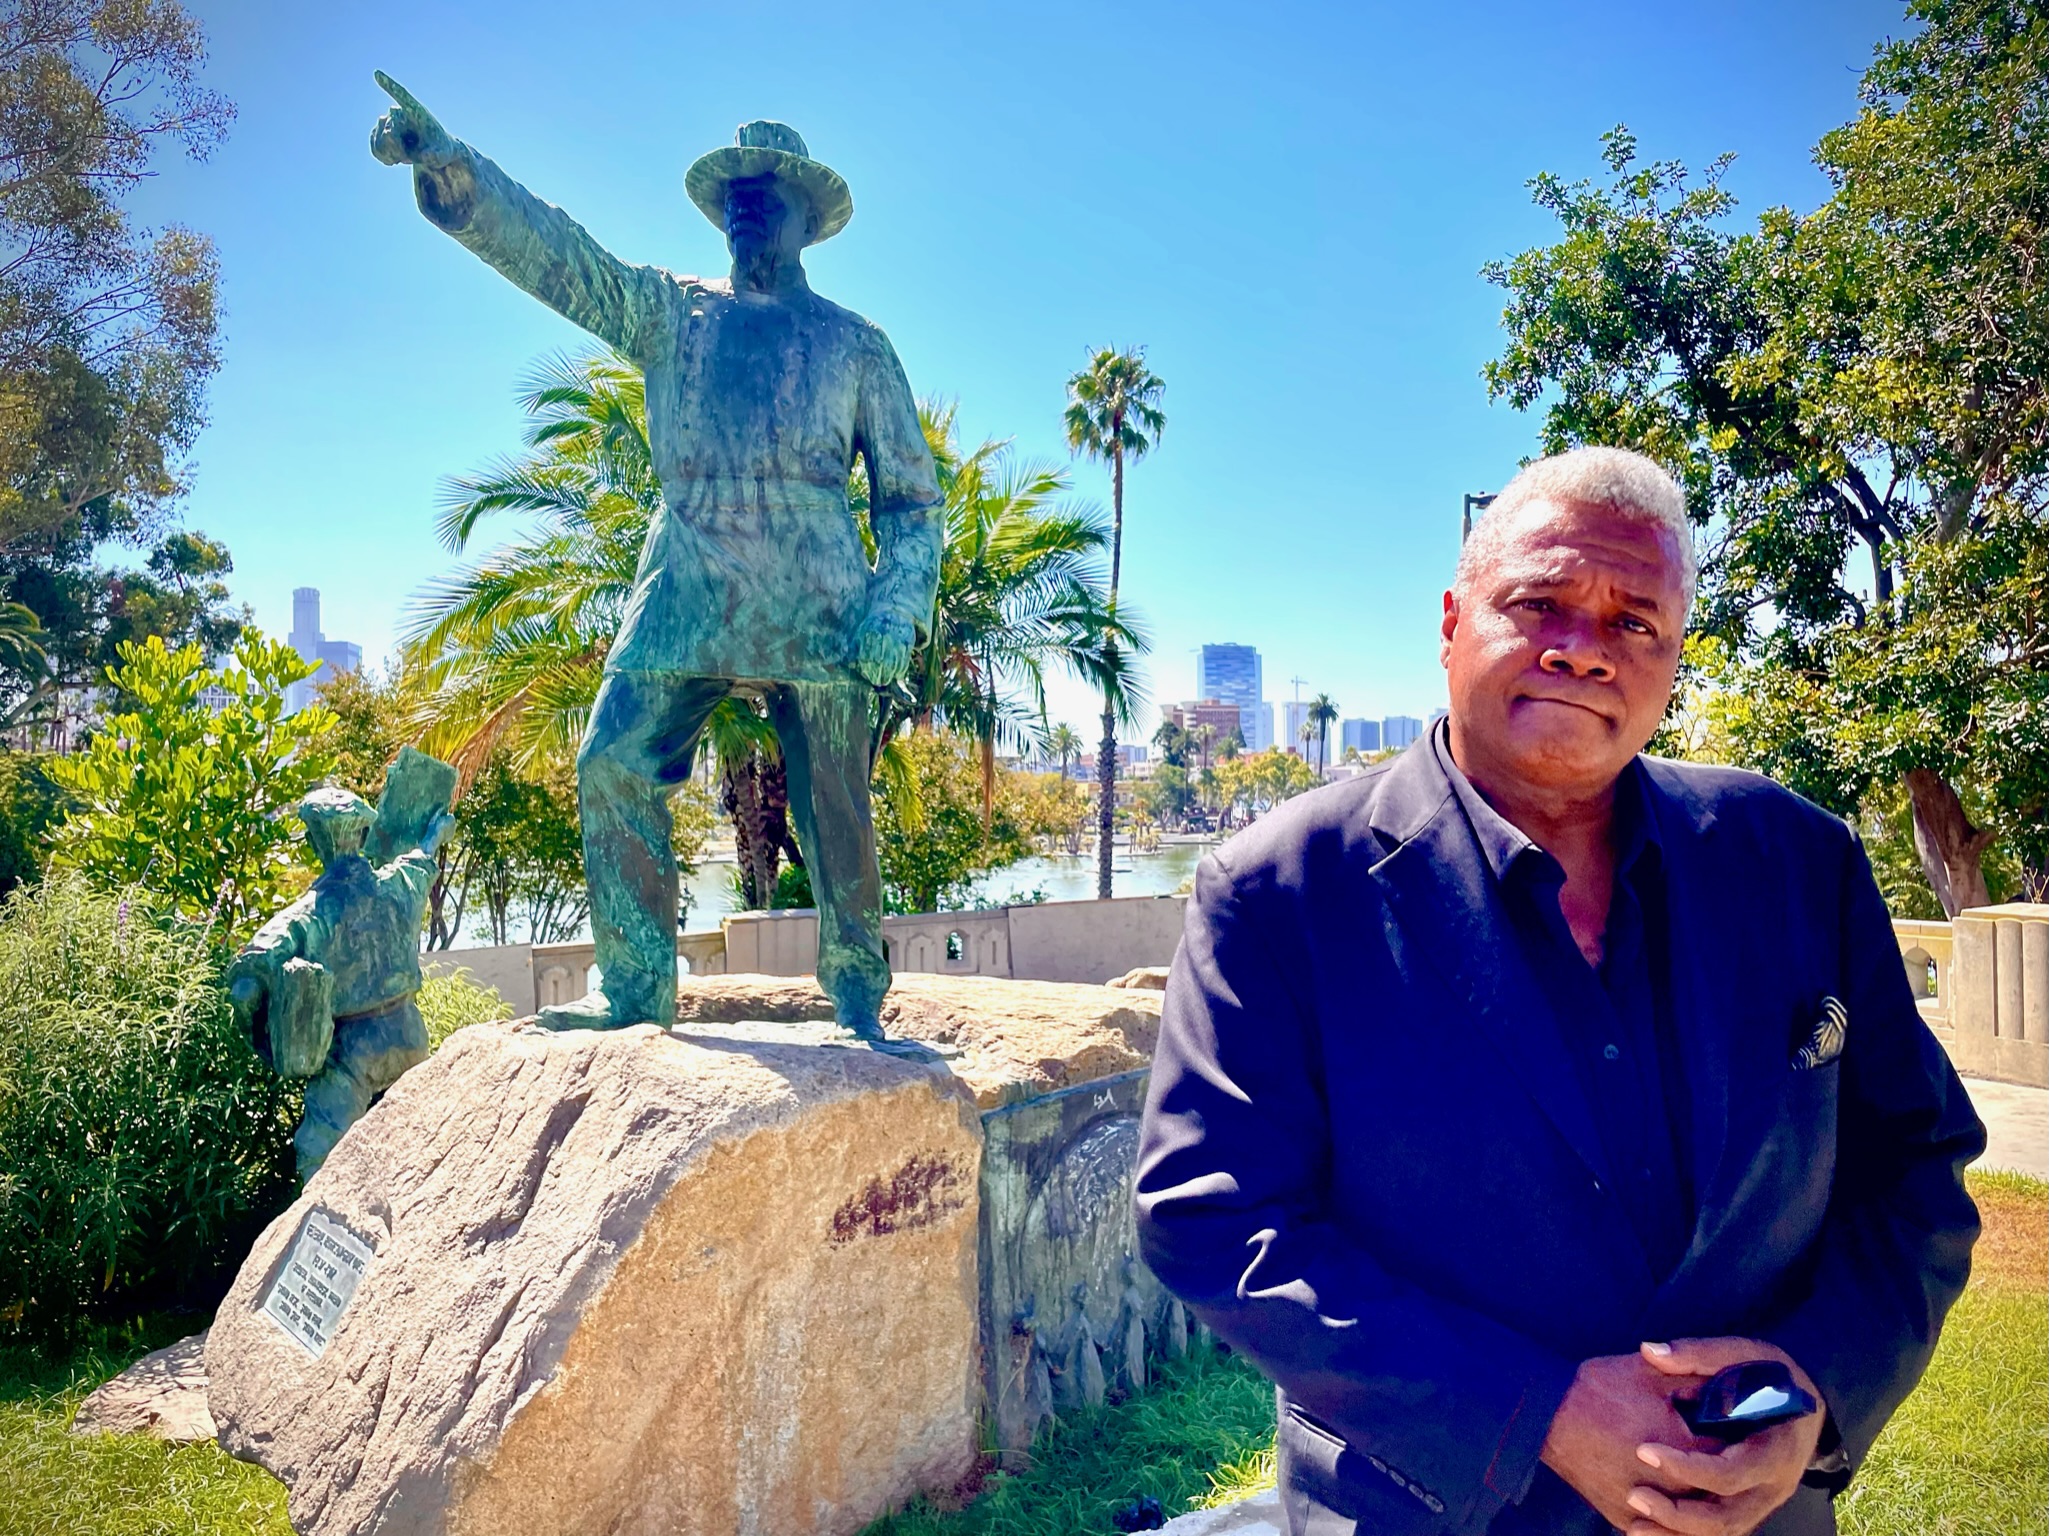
409, 134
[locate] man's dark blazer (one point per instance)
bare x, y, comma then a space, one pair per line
1369, 1166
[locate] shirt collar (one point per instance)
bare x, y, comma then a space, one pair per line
1503, 844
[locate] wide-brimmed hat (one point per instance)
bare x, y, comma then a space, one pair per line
770, 149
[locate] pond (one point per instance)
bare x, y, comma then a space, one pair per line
1060, 877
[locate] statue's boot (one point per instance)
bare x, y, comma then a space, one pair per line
591, 1011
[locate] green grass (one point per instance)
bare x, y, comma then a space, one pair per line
1202, 1433
1967, 1456
55, 1483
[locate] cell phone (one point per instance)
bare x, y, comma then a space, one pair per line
1741, 1400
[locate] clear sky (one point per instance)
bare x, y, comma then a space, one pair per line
1287, 204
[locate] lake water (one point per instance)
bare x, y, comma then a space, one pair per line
1060, 877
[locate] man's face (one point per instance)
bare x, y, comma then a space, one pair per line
766, 221
1562, 653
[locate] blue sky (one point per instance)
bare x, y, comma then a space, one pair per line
1287, 204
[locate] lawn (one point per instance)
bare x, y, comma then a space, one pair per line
1967, 1456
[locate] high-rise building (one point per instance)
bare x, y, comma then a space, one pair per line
1220, 717
1359, 736
1231, 672
1294, 715
1400, 730
333, 657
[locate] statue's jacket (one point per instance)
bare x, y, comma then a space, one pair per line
361, 923
757, 409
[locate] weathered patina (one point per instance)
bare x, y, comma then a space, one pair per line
326, 988
761, 397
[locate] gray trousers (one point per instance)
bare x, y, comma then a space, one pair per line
643, 732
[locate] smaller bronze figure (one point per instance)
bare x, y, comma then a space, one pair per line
326, 988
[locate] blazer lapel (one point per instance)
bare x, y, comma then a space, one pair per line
1445, 898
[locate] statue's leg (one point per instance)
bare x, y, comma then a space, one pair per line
370, 1053
636, 750
826, 736
335, 1100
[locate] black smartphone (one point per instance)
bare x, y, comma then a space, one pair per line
1741, 1400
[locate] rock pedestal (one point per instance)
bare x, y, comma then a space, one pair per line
621, 1283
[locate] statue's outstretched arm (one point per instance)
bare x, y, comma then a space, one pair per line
532, 242
907, 512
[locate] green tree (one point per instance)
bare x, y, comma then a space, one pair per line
1065, 746
31, 806
108, 332
1173, 743
930, 860
193, 799
1113, 415
1168, 795
1021, 594
369, 727
1872, 376
1323, 714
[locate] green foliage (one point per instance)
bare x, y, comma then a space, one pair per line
519, 851
108, 334
30, 805
193, 801
1871, 377
369, 728
930, 863
142, 1143
449, 1000
1258, 781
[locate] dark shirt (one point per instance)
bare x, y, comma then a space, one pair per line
1617, 1018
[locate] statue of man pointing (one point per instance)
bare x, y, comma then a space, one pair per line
760, 397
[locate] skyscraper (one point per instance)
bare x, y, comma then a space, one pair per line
1231, 672
1294, 715
332, 656
1360, 736
1400, 730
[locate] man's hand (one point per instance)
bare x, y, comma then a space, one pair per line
1618, 1403
882, 650
408, 134
1729, 1490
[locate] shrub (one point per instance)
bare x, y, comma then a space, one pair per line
142, 1143
450, 999
189, 788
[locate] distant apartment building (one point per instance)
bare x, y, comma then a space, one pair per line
1222, 718
1359, 736
1232, 673
1400, 730
332, 656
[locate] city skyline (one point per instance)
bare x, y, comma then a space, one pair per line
1248, 519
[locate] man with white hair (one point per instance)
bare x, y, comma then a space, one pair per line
1509, 1096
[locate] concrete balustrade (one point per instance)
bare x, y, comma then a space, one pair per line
1991, 1002
1092, 941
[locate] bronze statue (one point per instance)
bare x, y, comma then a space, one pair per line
760, 398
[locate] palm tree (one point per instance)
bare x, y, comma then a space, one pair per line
1113, 414
509, 649
1020, 594
1065, 745
1323, 714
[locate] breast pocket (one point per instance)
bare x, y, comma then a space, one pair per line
1332, 1489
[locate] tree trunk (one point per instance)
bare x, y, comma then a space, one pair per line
1951, 848
1106, 811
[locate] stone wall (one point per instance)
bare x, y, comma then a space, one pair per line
1084, 941
1983, 985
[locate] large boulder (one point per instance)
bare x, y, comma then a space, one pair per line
619, 1283
1007, 1040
